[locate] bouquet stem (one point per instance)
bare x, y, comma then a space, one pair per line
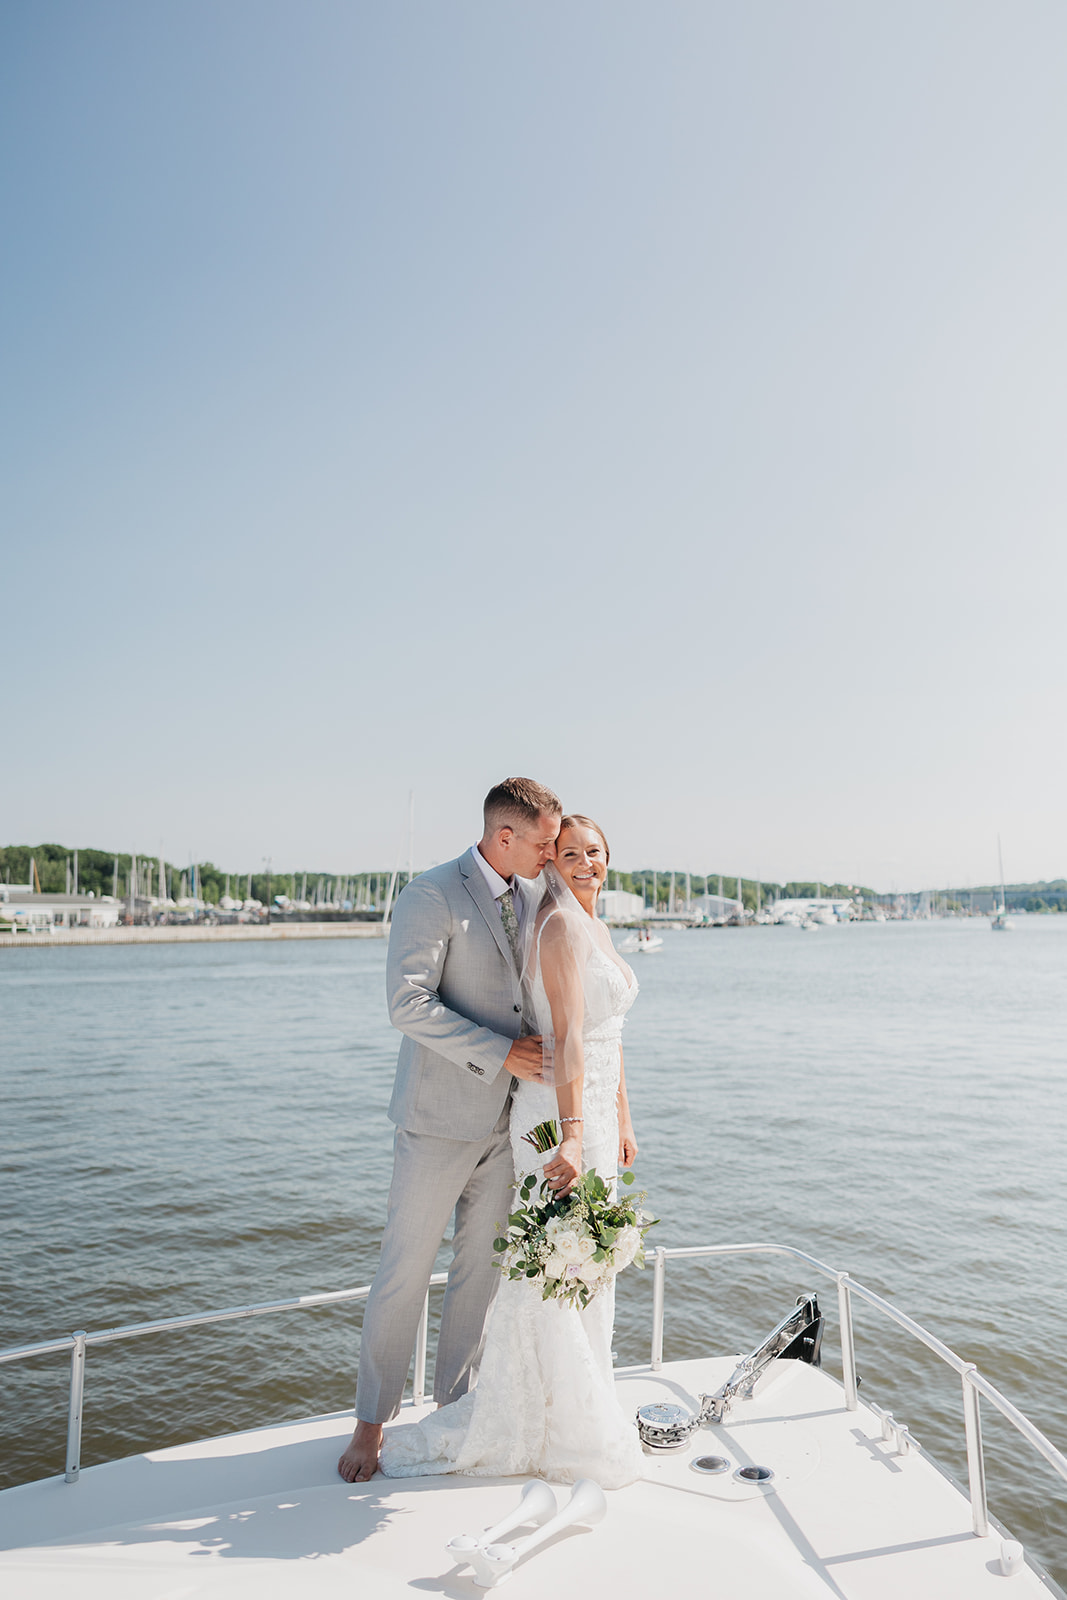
544, 1137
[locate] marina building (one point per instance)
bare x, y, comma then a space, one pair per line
40, 913
617, 905
718, 907
820, 908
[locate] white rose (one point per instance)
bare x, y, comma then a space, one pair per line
587, 1247
626, 1247
591, 1272
569, 1245
555, 1266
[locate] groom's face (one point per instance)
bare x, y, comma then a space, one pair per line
529, 850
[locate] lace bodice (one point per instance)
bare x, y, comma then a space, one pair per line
610, 998
616, 993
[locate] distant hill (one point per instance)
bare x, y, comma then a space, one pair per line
1045, 895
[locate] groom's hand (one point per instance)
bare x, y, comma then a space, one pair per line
524, 1059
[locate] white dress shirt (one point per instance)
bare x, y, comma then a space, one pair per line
499, 886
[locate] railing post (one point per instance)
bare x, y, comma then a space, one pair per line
74, 1413
848, 1343
972, 1421
421, 1339
659, 1270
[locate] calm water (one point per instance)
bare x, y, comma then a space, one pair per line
187, 1127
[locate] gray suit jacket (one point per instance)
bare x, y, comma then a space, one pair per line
454, 993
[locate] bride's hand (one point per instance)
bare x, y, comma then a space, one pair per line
565, 1167
627, 1145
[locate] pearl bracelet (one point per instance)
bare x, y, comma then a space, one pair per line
572, 1119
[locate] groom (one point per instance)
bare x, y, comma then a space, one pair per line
453, 986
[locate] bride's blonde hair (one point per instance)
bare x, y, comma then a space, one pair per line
576, 820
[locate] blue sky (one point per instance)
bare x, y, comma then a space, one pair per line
667, 401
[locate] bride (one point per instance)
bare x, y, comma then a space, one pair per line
545, 1400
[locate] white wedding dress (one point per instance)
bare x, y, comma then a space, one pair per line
544, 1404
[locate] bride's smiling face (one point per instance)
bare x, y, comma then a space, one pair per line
581, 860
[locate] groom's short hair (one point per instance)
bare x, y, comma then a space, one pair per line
517, 803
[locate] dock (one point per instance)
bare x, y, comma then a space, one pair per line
192, 934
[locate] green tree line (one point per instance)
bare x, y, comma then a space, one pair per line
97, 872
104, 872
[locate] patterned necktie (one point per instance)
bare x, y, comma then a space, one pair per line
511, 925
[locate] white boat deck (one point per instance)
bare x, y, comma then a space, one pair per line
264, 1514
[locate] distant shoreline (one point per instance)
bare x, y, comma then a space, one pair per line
192, 934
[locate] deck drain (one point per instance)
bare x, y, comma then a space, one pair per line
710, 1464
753, 1474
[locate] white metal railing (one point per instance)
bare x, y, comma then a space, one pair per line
77, 1343
974, 1384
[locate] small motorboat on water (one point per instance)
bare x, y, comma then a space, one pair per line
765, 1476
641, 943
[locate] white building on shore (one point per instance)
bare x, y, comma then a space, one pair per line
40, 913
818, 909
718, 907
618, 905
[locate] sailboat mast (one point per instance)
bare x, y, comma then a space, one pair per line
411, 835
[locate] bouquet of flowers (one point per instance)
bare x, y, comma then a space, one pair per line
573, 1246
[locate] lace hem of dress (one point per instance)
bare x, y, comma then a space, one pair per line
544, 1406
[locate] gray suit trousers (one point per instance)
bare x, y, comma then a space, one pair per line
433, 1177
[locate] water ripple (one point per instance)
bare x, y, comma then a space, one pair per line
189, 1127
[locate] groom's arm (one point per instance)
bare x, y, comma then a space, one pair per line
418, 945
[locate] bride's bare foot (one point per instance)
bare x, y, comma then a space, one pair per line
360, 1459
